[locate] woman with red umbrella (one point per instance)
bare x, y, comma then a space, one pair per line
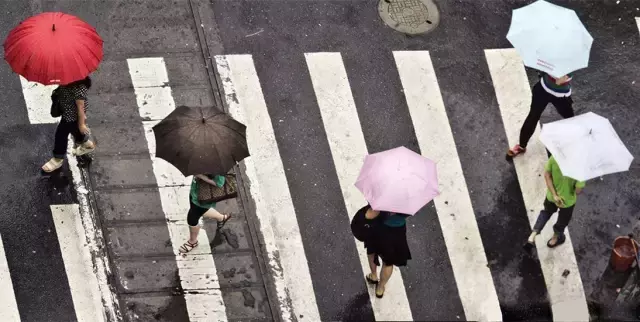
73, 104
55, 48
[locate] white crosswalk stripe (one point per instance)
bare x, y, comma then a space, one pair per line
513, 92
269, 188
77, 261
8, 305
430, 121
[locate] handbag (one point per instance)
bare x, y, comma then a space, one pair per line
208, 193
56, 108
361, 227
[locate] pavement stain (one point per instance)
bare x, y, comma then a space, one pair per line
249, 299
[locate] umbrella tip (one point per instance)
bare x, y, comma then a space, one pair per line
53, 28
204, 120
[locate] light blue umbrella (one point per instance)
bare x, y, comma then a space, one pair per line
550, 38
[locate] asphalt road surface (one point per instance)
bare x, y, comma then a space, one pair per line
322, 83
278, 34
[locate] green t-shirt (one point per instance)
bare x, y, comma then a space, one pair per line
219, 180
565, 186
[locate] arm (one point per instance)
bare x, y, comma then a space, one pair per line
579, 186
548, 179
82, 117
562, 80
206, 179
371, 214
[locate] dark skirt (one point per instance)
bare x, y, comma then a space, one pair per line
390, 245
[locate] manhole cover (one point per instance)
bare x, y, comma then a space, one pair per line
409, 16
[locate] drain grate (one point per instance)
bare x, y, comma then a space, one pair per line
410, 16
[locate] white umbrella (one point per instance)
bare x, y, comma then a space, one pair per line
586, 146
550, 38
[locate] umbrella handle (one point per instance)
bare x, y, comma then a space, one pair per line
53, 28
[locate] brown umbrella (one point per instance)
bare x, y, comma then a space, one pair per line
201, 140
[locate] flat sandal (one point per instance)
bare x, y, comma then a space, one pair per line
187, 247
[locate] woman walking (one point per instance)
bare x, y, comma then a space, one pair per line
73, 102
556, 91
198, 209
387, 242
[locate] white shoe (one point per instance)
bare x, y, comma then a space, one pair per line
82, 150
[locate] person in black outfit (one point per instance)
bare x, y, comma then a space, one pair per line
387, 242
556, 91
74, 104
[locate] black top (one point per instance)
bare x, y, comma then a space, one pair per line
68, 96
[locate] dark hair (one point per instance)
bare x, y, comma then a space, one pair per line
86, 82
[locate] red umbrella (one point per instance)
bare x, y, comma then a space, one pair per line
53, 48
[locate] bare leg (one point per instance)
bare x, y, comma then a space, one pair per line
373, 267
193, 234
385, 275
214, 214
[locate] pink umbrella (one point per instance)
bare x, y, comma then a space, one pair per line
398, 180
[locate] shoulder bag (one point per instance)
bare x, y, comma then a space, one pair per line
208, 193
56, 109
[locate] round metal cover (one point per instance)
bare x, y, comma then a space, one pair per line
409, 16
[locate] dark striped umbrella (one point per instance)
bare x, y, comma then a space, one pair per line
201, 140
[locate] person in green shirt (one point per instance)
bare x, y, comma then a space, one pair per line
562, 194
198, 209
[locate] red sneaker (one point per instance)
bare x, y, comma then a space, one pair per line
517, 149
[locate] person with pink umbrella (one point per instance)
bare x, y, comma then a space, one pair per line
396, 183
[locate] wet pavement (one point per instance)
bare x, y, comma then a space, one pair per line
124, 193
277, 34
122, 190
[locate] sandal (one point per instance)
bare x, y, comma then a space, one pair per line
187, 247
559, 241
516, 150
52, 165
371, 280
529, 246
82, 149
224, 221
378, 293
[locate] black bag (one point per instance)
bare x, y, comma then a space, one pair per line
361, 227
208, 193
56, 109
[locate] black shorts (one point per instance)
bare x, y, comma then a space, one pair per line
195, 213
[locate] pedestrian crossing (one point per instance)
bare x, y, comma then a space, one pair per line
475, 283
299, 249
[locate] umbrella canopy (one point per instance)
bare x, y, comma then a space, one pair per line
398, 180
200, 140
53, 48
586, 146
550, 38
